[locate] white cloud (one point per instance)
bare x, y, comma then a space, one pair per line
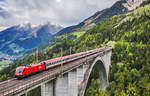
58, 1
63, 12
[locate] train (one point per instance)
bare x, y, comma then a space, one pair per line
28, 70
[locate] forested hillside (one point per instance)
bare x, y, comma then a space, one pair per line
130, 69
129, 75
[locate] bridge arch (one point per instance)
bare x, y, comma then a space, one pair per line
98, 69
98, 66
99, 72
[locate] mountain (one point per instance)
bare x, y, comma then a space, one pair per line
18, 39
75, 31
120, 7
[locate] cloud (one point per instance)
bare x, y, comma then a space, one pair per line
62, 12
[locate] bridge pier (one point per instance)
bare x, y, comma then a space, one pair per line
80, 76
72, 80
47, 89
61, 88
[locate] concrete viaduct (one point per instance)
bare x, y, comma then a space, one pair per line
72, 81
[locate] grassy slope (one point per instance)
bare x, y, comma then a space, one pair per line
4, 64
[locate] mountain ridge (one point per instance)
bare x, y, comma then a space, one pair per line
120, 7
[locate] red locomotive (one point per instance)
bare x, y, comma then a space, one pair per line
24, 71
30, 69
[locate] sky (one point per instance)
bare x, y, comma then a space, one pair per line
60, 12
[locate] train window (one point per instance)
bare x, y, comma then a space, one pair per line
19, 70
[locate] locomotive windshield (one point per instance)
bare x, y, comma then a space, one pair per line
19, 70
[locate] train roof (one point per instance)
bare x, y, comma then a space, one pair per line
20, 67
58, 58
61, 58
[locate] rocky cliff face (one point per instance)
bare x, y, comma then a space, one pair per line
132, 4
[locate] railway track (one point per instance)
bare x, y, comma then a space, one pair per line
14, 83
